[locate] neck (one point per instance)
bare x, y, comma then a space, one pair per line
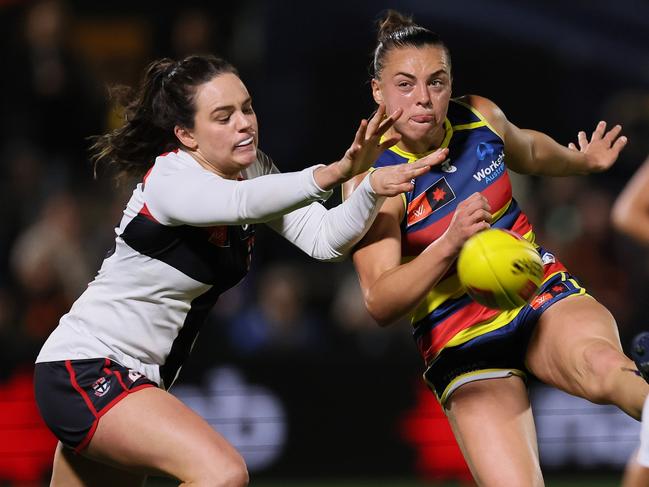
424, 144
207, 165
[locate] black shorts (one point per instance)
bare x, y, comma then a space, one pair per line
72, 395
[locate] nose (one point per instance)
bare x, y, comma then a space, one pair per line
243, 121
423, 95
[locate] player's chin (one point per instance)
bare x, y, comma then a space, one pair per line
246, 157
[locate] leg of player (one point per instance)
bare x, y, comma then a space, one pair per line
493, 424
636, 473
576, 348
150, 431
73, 470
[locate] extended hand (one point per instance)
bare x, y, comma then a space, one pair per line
603, 148
393, 180
367, 145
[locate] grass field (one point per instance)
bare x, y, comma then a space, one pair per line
607, 480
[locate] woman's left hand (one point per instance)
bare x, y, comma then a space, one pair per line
603, 148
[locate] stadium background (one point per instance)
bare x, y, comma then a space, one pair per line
289, 366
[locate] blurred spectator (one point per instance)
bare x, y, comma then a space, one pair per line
358, 331
53, 102
49, 263
193, 32
279, 320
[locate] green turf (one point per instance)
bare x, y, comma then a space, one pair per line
608, 480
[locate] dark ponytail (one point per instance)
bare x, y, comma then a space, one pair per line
165, 99
397, 31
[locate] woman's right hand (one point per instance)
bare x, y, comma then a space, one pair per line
471, 216
363, 152
393, 180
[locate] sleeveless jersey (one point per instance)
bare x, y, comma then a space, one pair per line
448, 316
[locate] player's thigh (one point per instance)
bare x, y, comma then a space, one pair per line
574, 337
73, 470
493, 424
151, 431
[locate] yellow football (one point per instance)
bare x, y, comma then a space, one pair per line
499, 269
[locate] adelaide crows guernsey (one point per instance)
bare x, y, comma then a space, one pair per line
448, 316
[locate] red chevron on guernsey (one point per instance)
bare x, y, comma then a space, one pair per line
431, 343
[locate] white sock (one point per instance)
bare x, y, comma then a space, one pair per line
643, 451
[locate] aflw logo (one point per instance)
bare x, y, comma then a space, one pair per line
493, 170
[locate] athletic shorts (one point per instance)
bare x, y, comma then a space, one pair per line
72, 395
501, 352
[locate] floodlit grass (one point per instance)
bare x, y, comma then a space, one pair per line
607, 480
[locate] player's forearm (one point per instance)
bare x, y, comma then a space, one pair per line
400, 290
549, 158
330, 176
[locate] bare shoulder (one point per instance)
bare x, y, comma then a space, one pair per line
488, 109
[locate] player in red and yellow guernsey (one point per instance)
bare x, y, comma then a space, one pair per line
477, 358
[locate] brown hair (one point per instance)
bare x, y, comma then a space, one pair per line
166, 98
396, 31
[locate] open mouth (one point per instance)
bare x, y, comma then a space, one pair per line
245, 142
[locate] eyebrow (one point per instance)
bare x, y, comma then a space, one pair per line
229, 108
410, 76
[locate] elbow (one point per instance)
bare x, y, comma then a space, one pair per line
378, 311
620, 217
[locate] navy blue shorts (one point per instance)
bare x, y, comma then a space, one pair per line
72, 395
501, 352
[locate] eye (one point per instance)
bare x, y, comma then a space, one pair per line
223, 119
248, 110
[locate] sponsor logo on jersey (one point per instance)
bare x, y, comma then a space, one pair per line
548, 258
437, 195
547, 296
493, 170
101, 386
484, 150
448, 167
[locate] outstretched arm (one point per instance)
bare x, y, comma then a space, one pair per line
330, 234
631, 209
531, 152
391, 289
197, 197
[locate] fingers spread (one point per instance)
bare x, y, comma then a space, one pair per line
376, 119
620, 143
612, 134
581, 138
388, 122
599, 131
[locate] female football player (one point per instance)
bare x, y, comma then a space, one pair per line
476, 358
186, 236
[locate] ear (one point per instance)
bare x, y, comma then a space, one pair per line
376, 91
185, 137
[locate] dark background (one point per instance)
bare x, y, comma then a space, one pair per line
297, 327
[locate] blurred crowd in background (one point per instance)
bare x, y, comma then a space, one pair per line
555, 66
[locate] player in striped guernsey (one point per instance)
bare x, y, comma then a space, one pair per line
186, 236
571, 343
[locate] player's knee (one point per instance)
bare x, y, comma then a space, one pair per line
235, 475
601, 362
229, 473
